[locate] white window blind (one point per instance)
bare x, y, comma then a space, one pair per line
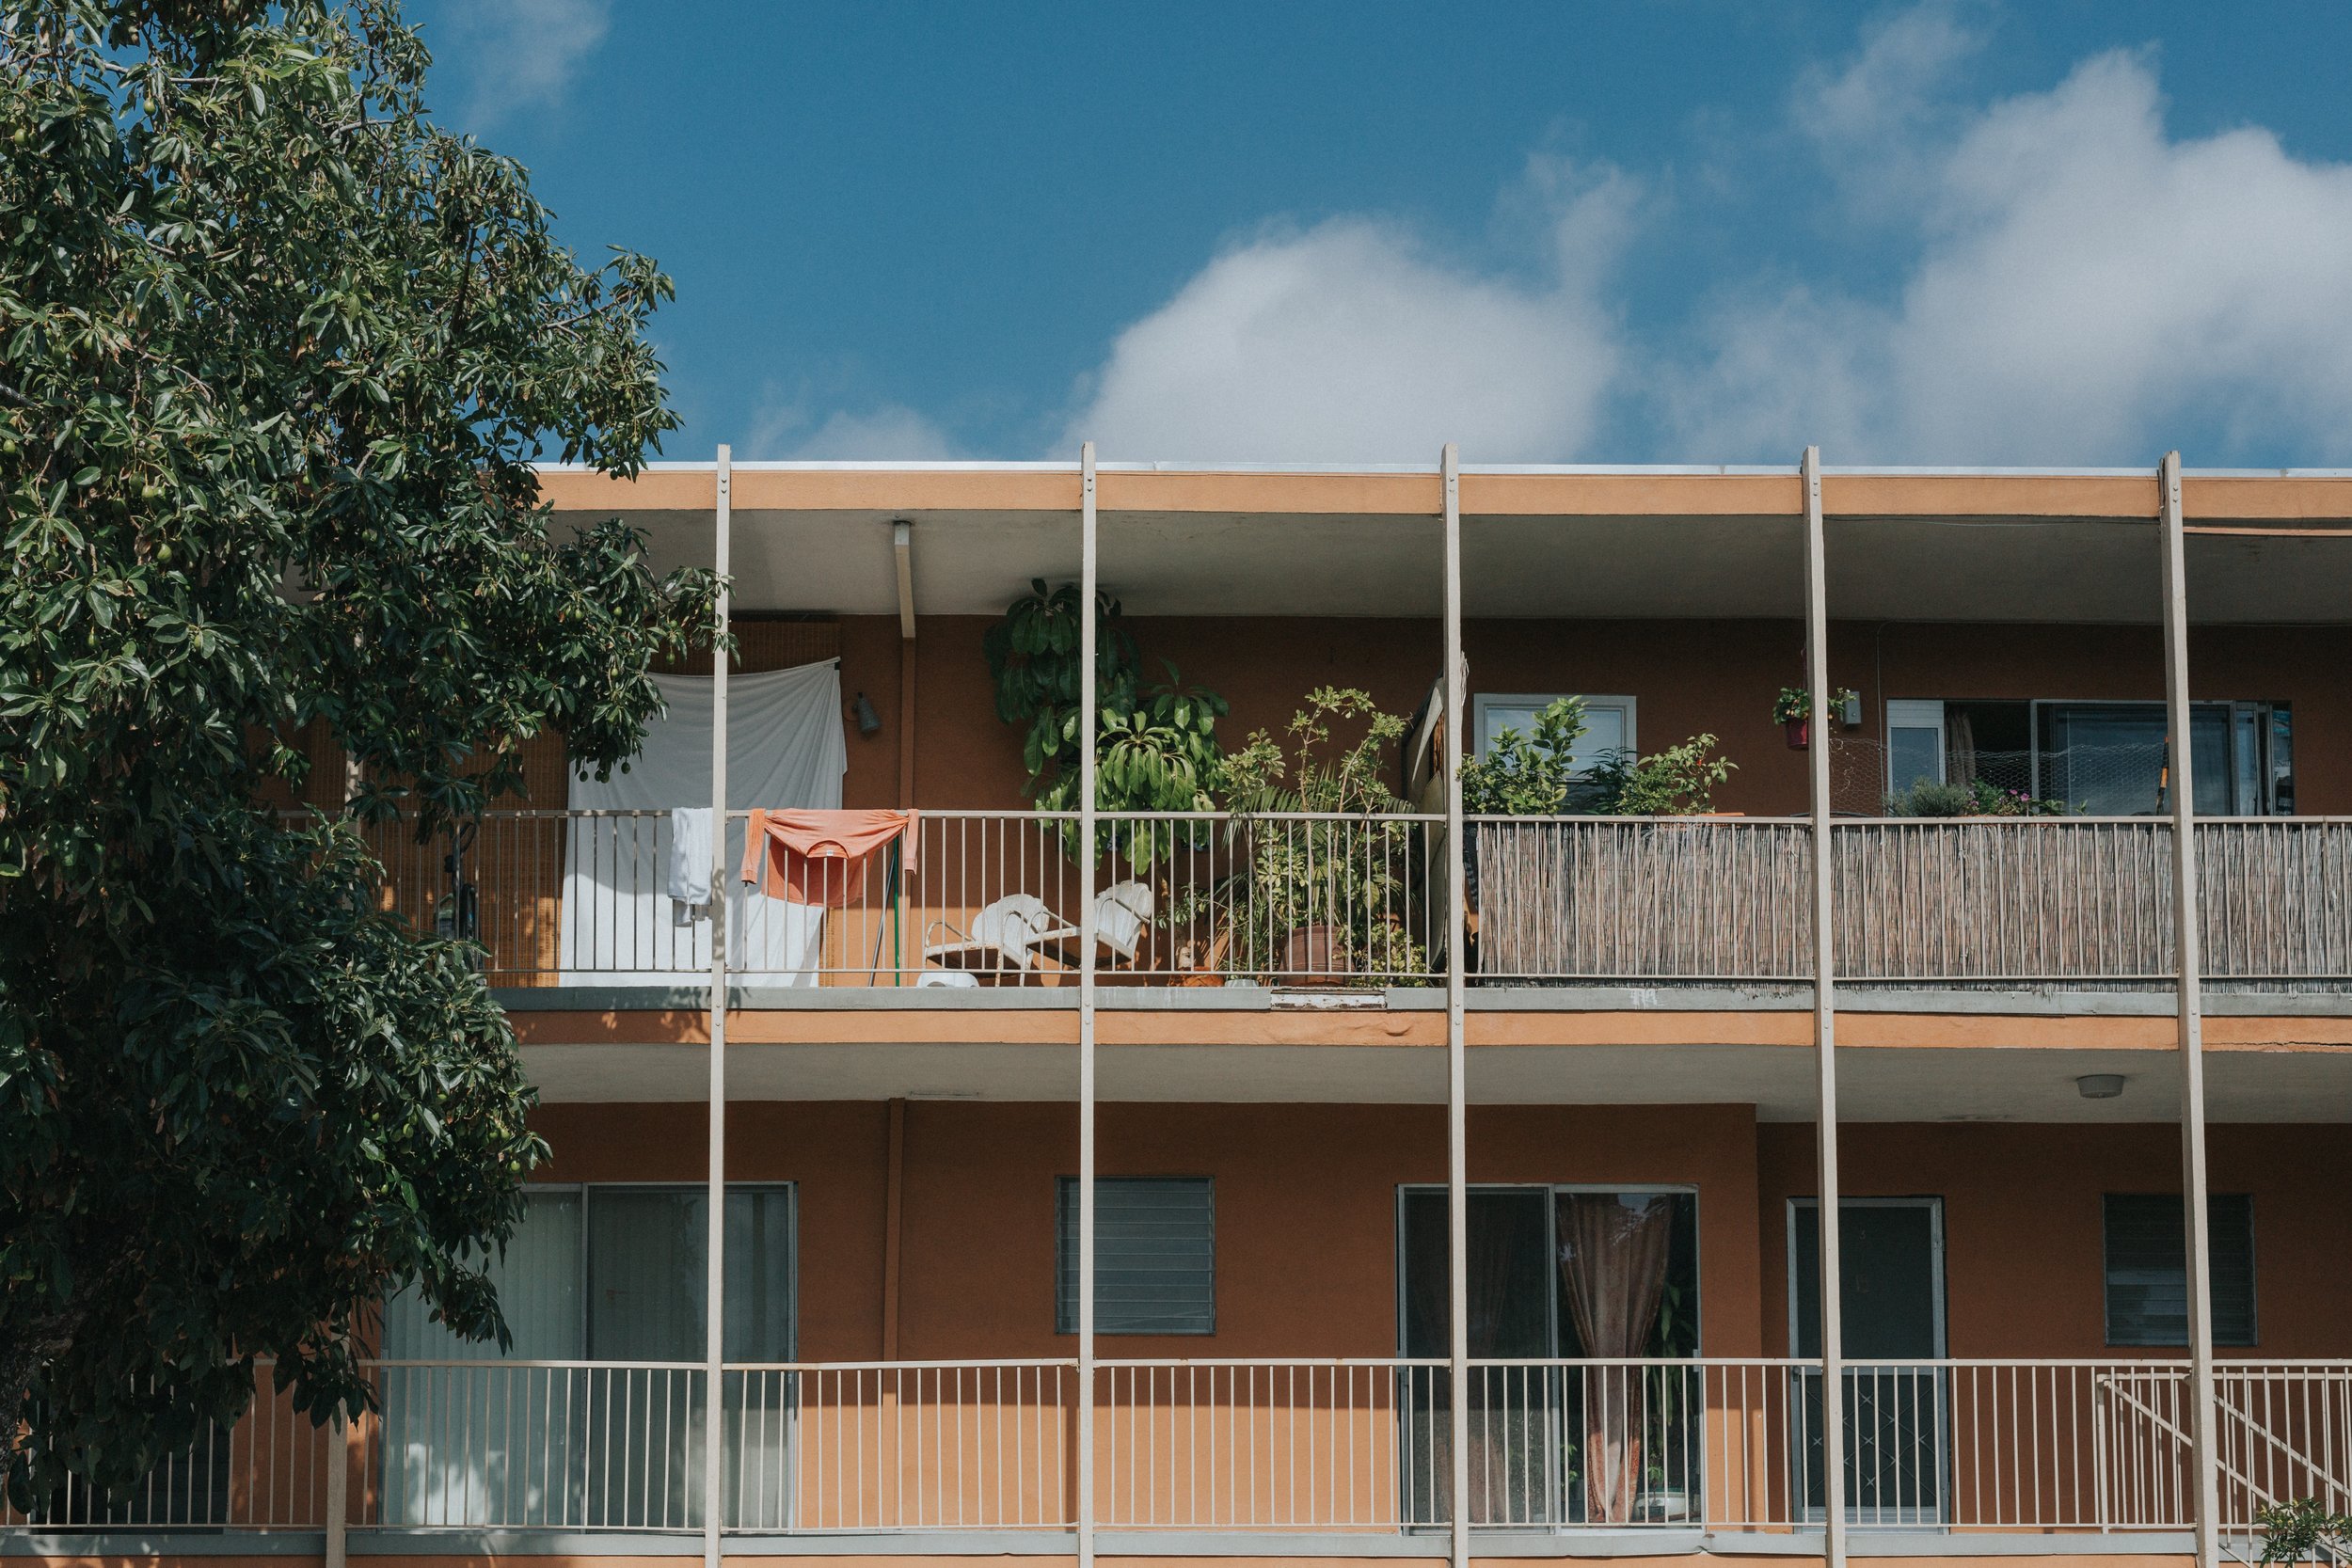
1154, 1255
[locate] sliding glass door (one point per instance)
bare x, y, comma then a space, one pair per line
592, 1418
1568, 1285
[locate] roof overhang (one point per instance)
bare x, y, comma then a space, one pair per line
1537, 542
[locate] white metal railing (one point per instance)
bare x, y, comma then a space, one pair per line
266, 1472
534, 1445
2080, 1446
903, 1446
970, 897
1282, 1445
2283, 1432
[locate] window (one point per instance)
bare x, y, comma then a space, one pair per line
1154, 1255
2147, 1269
615, 1274
2103, 758
1914, 744
1608, 721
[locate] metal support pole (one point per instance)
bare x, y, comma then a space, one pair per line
1824, 1021
338, 1491
1087, 572
1456, 1073
715, 1275
2190, 997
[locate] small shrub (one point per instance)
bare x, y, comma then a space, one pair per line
2301, 1530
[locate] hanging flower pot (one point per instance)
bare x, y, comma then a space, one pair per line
1799, 731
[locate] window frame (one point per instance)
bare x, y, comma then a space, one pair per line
1069, 1183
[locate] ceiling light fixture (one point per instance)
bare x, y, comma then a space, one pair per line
2100, 1086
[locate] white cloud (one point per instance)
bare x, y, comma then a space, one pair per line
1352, 340
523, 54
2084, 287
887, 432
2071, 284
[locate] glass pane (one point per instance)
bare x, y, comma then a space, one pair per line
645, 1274
1914, 755
1510, 1270
1604, 732
2104, 759
1887, 1261
539, 1287
759, 1275
476, 1443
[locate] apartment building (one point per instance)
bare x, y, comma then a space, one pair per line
1817, 1176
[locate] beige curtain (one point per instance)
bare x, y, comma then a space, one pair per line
1960, 747
1614, 1251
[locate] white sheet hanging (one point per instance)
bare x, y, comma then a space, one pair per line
785, 749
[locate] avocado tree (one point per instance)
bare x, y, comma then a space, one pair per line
277, 355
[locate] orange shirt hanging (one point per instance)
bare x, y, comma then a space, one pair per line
820, 857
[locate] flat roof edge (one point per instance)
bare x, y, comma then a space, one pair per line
1662, 470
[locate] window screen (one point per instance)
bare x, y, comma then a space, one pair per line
2147, 1269
1155, 1255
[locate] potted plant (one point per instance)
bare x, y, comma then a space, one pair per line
1316, 892
1792, 710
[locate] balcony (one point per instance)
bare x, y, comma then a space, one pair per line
989, 900
1222, 1452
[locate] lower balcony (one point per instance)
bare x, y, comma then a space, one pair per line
1352, 1457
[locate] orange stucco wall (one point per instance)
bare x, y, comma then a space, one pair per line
1305, 1216
1718, 676
1306, 1212
2021, 1218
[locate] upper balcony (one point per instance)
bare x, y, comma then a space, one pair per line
1996, 632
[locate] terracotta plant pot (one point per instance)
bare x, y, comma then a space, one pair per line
1799, 731
1311, 956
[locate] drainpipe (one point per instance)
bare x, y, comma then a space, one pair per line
1825, 1023
2190, 1014
714, 1276
1087, 698
1456, 1075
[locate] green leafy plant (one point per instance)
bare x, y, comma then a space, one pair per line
1330, 886
1033, 656
1532, 775
2301, 1530
1679, 781
1160, 756
1796, 701
281, 354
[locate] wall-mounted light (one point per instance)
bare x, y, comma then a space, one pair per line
2099, 1086
1850, 711
869, 722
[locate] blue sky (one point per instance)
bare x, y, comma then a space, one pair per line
1955, 232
